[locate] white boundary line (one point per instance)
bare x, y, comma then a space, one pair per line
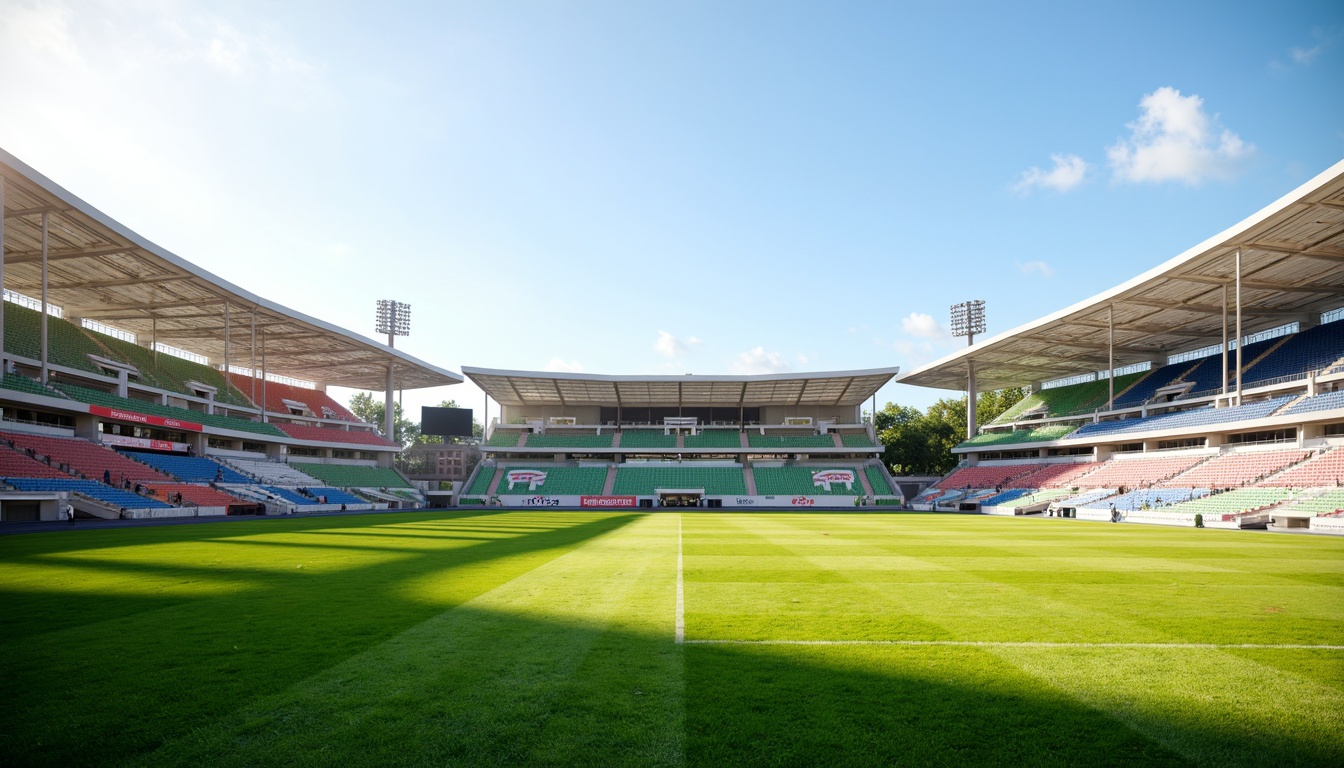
1004, 644
681, 590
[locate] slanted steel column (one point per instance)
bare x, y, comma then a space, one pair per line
389, 413
44, 297
1239, 336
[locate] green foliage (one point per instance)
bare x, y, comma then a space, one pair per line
921, 443
372, 409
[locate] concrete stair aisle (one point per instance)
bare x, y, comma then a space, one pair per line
749, 475
610, 483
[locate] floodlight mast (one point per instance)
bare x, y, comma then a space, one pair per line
968, 319
393, 318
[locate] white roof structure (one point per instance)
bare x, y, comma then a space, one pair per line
838, 388
101, 270
1292, 268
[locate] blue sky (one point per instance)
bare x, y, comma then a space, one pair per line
674, 187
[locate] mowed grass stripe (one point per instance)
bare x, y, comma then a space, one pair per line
569, 663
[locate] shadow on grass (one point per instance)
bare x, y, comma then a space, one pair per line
110, 675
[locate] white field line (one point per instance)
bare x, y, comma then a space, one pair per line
681, 590
1012, 644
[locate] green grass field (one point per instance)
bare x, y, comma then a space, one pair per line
495, 637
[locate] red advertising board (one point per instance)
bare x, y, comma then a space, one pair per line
607, 501
140, 418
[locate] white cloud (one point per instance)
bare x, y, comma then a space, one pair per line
1067, 173
1305, 56
757, 360
560, 365
670, 346
1028, 267
922, 326
1175, 140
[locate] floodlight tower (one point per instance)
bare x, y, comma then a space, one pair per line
968, 319
393, 318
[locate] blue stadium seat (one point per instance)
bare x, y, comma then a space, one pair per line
191, 469
91, 488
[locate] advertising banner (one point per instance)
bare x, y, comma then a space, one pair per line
140, 418
607, 502
141, 442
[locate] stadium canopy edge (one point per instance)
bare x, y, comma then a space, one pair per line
1291, 256
112, 275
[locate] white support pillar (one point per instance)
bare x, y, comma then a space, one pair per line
227, 334
389, 410
1239, 334
1110, 356
44, 297
4, 356
970, 399
1224, 341
252, 347
263, 377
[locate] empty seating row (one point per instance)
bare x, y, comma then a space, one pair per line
14, 463
1006, 496
757, 440
191, 469
67, 344
1137, 472
314, 402
1232, 470
1053, 476
713, 438
1071, 399
353, 475
271, 472
1322, 402
1234, 502
504, 438
92, 461
1326, 469
983, 476
646, 481
98, 397
1157, 378
24, 384
857, 440
568, 440
878, 480
1148, 498
806, 481
1036, 435
326, 495
1328, 503
334, 435
1197, 417
481, 485
1309, 350
91, 488
178, 494
646, 438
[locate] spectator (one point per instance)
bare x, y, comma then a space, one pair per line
107, 477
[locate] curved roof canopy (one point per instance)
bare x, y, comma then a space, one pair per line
1292, 269
100, 270
843, 388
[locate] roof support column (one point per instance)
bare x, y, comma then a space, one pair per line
252, 348
1110, 357
970, 399
44, 297
4, 357
1224, 340
263, 376
1239, 344
389, 411
227, 334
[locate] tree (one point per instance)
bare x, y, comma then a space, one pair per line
917, 443
371, 409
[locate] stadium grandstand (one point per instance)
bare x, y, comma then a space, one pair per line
136, 384
590, 440
1208, 390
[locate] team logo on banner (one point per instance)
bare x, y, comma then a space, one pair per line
825, 477
532, 477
